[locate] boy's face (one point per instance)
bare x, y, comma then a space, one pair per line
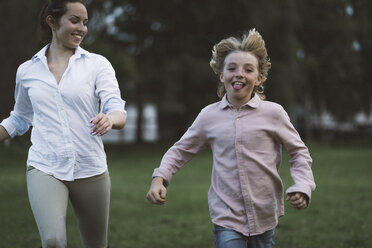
240, 75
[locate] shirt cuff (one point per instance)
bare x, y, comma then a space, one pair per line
15, 125
302, 189
9, 127
114, 104
159, 172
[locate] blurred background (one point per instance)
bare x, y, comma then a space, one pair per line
321, 59
320, 53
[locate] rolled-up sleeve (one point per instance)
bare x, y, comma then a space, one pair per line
300, 159
20, 118
107, 89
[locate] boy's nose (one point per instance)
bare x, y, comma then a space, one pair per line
239, 73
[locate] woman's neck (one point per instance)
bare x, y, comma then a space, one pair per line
56, 53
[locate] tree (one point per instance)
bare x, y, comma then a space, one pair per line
18, 43
319, 51
171, 44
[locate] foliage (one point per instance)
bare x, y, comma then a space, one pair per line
319, 51
18, 42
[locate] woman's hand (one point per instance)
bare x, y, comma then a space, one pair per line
3, 134
157, 191
298, 200
100, 124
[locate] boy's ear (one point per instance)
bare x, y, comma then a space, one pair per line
259, 80
221, 76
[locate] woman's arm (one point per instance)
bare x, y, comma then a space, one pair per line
3, 134
118, 119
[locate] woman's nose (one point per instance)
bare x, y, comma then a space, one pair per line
82, 27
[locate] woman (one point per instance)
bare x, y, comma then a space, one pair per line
70, 97
246, 135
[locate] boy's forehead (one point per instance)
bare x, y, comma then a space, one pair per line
240, 57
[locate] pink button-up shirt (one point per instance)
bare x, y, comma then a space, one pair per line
246, 192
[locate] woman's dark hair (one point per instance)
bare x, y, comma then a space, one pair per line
56, 9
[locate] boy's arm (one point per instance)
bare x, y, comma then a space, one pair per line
299, 194
190, 144
157, 191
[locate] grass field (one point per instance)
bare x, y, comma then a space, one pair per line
339, 215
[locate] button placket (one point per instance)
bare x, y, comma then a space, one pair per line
238, 150
64, 122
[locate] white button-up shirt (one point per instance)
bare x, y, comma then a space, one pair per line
60, 114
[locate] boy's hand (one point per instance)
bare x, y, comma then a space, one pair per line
298, 200
157, 192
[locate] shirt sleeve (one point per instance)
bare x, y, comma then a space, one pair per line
20, 118
107, 89
191, 143
300, 159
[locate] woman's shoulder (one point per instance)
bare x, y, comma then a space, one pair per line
92, 55
24, 67
99, 61
28, 64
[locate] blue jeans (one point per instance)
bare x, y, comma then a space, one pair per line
228, 238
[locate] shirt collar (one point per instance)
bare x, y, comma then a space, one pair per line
254, 102
79, 52
40, 54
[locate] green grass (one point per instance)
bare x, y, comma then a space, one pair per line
339, 214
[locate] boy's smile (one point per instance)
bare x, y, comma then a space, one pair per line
240, 75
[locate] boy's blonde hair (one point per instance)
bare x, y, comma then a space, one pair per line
251, 42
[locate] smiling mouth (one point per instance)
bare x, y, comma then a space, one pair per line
78, 36
238, 85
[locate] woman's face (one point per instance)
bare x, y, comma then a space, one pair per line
72, 26
240, 75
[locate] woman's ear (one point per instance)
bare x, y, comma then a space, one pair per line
51, 22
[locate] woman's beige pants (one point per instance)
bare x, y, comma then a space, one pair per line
90, 199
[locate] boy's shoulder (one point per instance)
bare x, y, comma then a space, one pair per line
210, 108
271, 106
